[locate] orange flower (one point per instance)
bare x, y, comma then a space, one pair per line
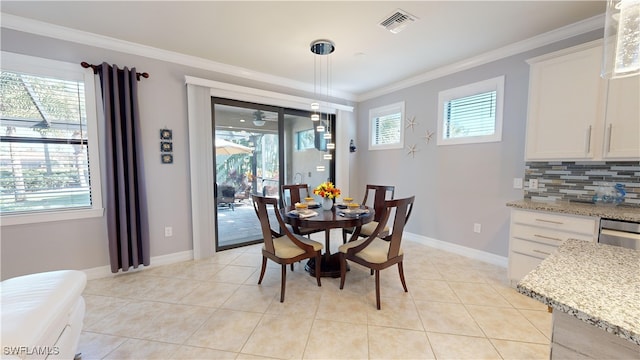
327, 190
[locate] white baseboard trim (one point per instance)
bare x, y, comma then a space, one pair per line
105, 271
458, 249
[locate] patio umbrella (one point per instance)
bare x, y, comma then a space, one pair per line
224, 147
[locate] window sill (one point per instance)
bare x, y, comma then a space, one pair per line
7, 220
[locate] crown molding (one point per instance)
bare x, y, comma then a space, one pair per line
31, 26
86, 38
578, 28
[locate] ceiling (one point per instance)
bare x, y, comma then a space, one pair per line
272, 38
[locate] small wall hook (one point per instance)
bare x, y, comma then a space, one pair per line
352, 146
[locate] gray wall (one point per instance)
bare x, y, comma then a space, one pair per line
456, 185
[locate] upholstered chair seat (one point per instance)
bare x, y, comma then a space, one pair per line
286, 249
376, 252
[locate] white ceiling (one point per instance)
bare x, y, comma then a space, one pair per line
272, 38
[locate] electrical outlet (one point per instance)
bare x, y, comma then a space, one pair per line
517, 183
168, 231
477, 228
533, 184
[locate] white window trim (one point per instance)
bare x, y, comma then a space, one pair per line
41, 66
497, 84
381, 111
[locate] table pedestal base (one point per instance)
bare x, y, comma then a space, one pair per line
329, 266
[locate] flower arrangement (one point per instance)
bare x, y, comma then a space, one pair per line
327, 190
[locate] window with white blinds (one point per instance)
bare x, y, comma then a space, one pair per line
471, 113
46, 143
386, 127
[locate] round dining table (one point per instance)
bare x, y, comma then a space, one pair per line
336, 218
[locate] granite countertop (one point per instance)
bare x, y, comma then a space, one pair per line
598, 284
625, 213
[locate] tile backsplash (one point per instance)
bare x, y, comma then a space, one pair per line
578, 181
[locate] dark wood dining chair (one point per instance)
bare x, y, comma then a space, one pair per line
286, 249
380, 193
378, 254
296, 193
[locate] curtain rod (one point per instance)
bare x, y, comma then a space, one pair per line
86, 65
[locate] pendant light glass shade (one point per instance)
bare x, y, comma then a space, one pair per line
320, 128
621, 39
320, 168
327, 156
331, 146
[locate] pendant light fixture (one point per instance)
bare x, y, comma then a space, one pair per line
321, 48
621, 39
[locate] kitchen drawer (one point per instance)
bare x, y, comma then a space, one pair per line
575, 224
532, 248
545, 235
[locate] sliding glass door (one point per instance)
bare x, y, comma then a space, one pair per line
247, 161
258, 148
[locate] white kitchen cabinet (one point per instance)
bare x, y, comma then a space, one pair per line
622, 120
574, 114
534, 235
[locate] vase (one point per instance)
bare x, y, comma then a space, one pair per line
327, 204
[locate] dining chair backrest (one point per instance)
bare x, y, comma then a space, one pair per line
380, 193
263, 205
402, 208
294, 192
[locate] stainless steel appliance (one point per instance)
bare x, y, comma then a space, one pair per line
620, 233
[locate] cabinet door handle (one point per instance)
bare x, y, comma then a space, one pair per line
547, 237
609, 128
588, 141
550, 221
541, 252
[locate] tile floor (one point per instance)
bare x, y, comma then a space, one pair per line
456, 308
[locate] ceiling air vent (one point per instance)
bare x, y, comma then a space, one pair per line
397, 21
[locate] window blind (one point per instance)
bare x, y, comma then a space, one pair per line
470, 116
387, 129
44, 162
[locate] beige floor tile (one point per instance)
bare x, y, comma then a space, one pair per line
395, 312
217, 306
478, 294
98, 307
279, 336
129, 320
343, 307
252, 298
390, 343
135, 349
505, 324
432, 290
514, 350
198, 353
297, 303
225, 330
447, 318
233, 274
210, 294
518, 300
542, 320
253, 357
176, 324
165, 289
96, 346
447, 346
225, 257
347, 341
